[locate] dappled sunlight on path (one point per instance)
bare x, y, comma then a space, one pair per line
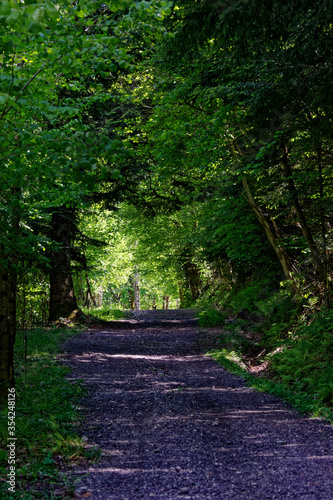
172, 424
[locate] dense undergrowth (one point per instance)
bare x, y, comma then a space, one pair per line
46, 419
279, 346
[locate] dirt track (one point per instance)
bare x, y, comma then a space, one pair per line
172, 424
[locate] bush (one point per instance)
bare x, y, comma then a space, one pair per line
211, 317
46, 417
306, 362
107, 313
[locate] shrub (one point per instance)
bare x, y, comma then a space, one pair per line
307, 360
211, 317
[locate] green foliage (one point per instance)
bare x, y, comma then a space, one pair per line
304, 401
230, 359
211, 317
32, 300
250, 122
258, 305
46, 416
230, 230
299, 355
256, 295
305, 362
248, 296
188, 113
108, 313
134, 244
279, 313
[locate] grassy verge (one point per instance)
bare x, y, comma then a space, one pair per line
46, 419
108, 313
293, 360
304, 402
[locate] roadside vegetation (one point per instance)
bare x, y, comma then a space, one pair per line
47, 419
278, 346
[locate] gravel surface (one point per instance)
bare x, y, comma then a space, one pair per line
172, 424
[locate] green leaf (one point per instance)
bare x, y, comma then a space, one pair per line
16, 40
38, 14
51, 11
4, 8
5, 99
166, 11
115, 174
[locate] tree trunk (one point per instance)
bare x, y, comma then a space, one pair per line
62, 298
89, 295
166, 301
136, 292
131, 295
8, 296
100, 298
8, 281
321, 195
281, 254
181, 294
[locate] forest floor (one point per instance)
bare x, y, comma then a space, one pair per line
173, 424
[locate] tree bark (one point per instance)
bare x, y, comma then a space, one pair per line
62, 297
131, 295
8, 296
100, 298
136, 292
321, 196
89, 295
280, 252
181, 294
8, 282
166, 301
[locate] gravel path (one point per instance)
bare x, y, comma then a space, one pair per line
172, 424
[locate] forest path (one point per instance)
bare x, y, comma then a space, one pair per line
173, 424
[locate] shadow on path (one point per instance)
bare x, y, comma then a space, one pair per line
172, 424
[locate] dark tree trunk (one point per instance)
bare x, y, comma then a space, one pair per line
136, 292
8, 296
90, 299
62, 298
131, 294
166, 299
7, 328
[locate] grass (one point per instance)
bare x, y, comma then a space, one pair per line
302, 401
260, 324
46, 419
300, 371
107, 313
